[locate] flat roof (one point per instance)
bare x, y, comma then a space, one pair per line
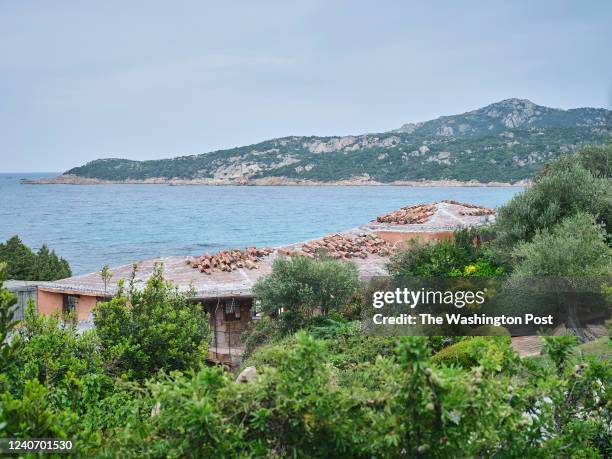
445, 216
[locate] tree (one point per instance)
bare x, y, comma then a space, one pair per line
20, 260
300, 287
49, 266
576, 248
8, 348
153, 329
52, 350
427, 260
106, 276
24, 264
597, 159
564, 188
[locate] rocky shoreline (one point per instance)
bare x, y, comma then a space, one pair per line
267, 181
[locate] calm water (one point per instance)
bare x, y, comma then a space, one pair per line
118, 224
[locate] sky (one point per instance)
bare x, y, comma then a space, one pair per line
157, 79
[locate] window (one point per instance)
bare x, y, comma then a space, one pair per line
70, 303
231, 310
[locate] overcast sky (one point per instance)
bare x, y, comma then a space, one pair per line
146, 79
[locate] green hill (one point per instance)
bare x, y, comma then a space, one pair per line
506, 141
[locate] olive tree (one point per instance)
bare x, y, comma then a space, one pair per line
300, 287
575, 251
564, 188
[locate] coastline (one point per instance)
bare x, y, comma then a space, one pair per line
266, 181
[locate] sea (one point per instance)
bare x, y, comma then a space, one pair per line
93, 225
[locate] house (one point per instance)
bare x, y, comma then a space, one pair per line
227, 295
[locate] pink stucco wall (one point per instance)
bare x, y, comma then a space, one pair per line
50, 302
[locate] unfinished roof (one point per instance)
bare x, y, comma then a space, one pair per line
342, 247
432, 218
361, 245
235, 283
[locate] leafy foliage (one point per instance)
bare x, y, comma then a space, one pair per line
23, 264
33, 415
344, 396
469, 352
300, 287
460, 256
8, 349
157, 328
575, 247
565, 188
53, 352
597, 159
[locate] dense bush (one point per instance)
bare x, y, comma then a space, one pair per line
429, 260
415, 408
157, 328
565, 187
345, 396
346, 347
597, 159
23, 264
53, 353
301, 287
479, 268
469, 352
459, 256
32, 415
575, 247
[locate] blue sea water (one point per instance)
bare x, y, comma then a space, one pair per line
91, 225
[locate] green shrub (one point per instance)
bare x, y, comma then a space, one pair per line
493, 352
574, 247
9, 349
300, 287
479, 268
33, 416
264, 330
429, 260
597, 159
460, 353
457, 257
153, 329
55, 354
565, 188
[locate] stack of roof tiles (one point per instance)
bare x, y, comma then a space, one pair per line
229, 260
418, 214
474, 210
344, 247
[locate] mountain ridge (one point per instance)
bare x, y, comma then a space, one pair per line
506, 141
